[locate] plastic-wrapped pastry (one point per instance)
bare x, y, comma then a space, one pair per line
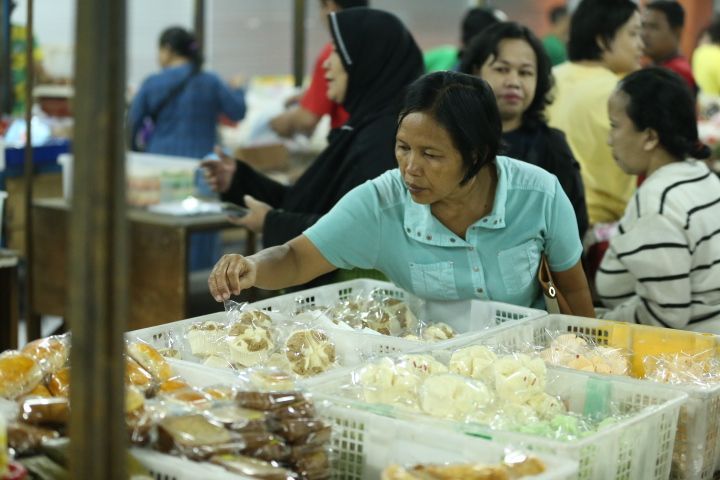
249, 344
382, 382
216, 361
170, 353
314, 464
205, 338
564, 349
189, 397
59, 383
39, 391
512, 468
257, 318
45, 411
348, 312
50, 353
309, 352
437, 332
134, 399
401, 317
610, 360
138, 376
475, 362
268, 400
546, 406
412, 337
220, 392
252, 467
421, 364
452, 396
150, 360
24, 438
194, 436
271, 379
238, 419
173, 384
518, 377
19, 374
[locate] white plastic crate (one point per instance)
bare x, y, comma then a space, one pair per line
468, 318
697, 444
362, 442
637, 447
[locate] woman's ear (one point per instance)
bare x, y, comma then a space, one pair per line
602, 44
651, 140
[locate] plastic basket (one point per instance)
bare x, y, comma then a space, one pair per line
637, 447
697, 445
363, 443
470, 318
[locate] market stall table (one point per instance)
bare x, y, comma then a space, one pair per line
9, 294
158, 269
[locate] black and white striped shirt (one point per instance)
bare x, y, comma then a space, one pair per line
663, 267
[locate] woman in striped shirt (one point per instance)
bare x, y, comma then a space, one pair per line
663, 267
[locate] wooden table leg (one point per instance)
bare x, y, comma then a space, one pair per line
9, 308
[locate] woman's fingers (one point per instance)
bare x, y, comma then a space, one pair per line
231, 275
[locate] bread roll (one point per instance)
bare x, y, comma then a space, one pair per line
59, 383
51, 353
19, 374
150, 360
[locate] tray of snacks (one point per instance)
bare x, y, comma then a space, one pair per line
684, 361
614, 428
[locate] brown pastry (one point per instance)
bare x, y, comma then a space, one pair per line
189, 397
238, 419
19, 374
134, 399
253, 468
309, 352
194, 436
249, 344
313, 464
59, 383
255, 317
267, 400
304, 431
51, 353
25, 439
39, 391
45, 411
173, 384
150, 360
137, 376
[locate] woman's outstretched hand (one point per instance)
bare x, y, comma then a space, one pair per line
231, 275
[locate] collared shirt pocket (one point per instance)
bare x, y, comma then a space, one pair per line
434, 281
519, 265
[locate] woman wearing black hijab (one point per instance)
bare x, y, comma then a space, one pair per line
380, 58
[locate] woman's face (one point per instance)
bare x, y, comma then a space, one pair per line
626, 141
513, 78
337, 78
164, 56
431, 166
626, 48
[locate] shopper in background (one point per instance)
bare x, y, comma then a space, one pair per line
374, 59
511, 59
605, 42
177, 109
476, 20
555, 42
663, 268
706, 61
303, 117
662, 27
452, 223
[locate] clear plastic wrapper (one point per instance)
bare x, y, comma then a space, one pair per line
573, 351
137, 376
253, 467
150, 359
59, 383
701, 369
267, 447
312, 464
50, 353
24, 439
45, 411
238, 419
265, 401
480, 386
514, 465
19, 374
196, 437
304, 431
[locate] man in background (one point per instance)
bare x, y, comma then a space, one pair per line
662, 27
303, 117
555, 42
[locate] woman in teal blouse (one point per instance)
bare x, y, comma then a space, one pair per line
454, 221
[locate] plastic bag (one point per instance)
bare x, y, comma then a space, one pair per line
573, 351
702, 369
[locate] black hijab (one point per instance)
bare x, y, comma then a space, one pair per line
381, 59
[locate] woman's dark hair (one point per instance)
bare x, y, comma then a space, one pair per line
713, 29
463, 105
593, 19
673, 11
183, 43
660, 99
485, 45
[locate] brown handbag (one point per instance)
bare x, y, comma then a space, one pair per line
554, 300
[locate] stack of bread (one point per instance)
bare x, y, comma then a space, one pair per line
513, 467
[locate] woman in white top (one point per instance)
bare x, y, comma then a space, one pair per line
663, 267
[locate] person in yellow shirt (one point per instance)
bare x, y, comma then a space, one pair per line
706, 61
605, 43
